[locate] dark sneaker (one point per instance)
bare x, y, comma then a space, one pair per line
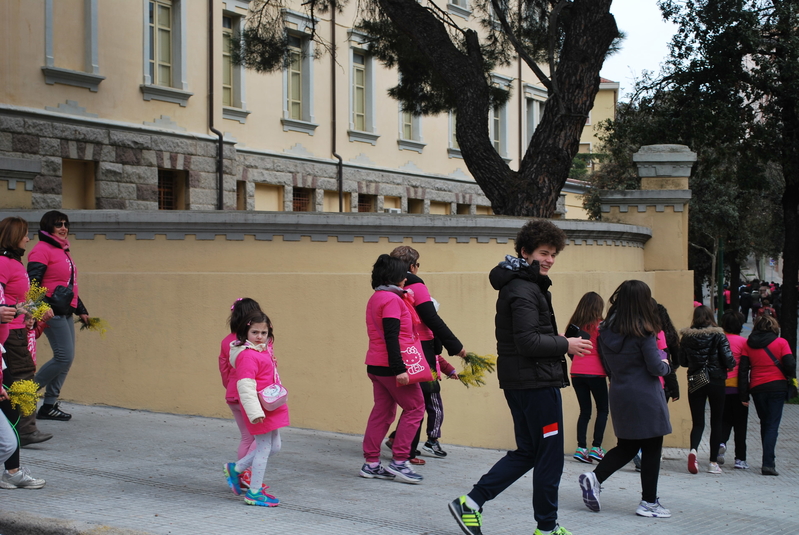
34, 438
769, 471
468, 519
404, 472
652, 510
378, 472
591, 490
232, 477
722, 451
434, 447
390, 443
52, 412
637, 462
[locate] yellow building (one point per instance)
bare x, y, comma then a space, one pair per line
123, 105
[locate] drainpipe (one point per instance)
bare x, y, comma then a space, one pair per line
340, 165
220, 199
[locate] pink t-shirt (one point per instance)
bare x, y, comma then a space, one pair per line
15, 280
590, 363
763, 368
386, 304
737, 344
60, 268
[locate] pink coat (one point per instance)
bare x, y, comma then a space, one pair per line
59, 264
255, 370
225, 369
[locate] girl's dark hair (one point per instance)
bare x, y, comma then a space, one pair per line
631, 311
589, 310
703, 317
49, 220
256, 316
672, 338
733, 322
538, 232
767, 323
239, 311
388, 270
12, 230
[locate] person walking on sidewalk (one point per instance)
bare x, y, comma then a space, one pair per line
736, 414
531, 368
628, 347
767, 371
705, 351
253, 360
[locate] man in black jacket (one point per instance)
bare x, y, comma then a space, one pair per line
531, 368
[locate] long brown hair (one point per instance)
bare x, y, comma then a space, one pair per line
12, 230
703, 317
631, 310
589, 311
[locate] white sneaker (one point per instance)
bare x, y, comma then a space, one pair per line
21, 480
741, 465
652, 510
714, 469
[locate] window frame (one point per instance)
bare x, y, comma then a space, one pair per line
453, 149
360, 46
500, 116
177, 92
535, 102
298, 26
414, 142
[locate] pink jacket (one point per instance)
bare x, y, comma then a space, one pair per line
255, 370
59, 265
589, 364
225, 369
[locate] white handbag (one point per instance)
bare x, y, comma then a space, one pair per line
274, 395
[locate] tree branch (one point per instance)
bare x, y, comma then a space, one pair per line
519, 48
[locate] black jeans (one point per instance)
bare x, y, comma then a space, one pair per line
584, 388
624, 452
537, 423
769, 409
715, 395
735, 418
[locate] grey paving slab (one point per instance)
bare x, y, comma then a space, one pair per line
112, 469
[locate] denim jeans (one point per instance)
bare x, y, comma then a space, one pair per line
61, 335
769, 409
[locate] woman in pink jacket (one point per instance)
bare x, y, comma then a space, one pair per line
51, 265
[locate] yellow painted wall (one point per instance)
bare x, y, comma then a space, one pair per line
167, 302
14, 198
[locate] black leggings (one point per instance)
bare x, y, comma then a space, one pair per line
624, 452
715, 395
12, 415
735, 417
584, 388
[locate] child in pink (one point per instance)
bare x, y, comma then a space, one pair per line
238, 311
255, 366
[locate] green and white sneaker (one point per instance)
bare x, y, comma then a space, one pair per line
559, 530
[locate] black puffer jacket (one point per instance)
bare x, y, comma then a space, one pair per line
530, 352
706, 348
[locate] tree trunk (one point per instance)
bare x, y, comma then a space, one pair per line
735, 278
533, 190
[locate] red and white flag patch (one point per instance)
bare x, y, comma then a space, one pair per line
551, 430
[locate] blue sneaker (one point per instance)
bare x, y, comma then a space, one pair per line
232, 478
260, 498
378, 472
404, 472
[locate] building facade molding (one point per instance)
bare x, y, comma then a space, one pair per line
322, 227
642, 199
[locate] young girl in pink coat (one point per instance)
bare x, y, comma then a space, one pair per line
255, 367
238, 311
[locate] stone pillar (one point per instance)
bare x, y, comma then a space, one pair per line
661, 204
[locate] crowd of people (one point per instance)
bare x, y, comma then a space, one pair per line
623, 363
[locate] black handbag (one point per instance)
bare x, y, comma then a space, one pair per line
61, 299
698, 380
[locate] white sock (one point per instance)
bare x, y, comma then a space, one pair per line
548, 532
471, 504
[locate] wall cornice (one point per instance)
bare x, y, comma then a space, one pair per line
292, 226
641, 199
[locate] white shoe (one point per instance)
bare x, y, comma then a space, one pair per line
20, 480
652, 510
714, 469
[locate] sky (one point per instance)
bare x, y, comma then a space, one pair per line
645, 47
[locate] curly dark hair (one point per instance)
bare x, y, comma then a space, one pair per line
538, 232
388, 270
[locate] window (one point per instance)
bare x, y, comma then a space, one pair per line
464, 209
165, 74
298, 113
241, 195
227, 61
535, 98
410, 132
440, 208
366, 203
160, 42
303, 200
498, 118
459, 8
330, 201
58, 26
268, 198
454, 150
362, 98
171, 189
415, 206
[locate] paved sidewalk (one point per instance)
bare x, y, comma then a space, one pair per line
113, 470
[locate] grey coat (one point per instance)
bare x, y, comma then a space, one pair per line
637, 402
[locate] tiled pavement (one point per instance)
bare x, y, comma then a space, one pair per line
112, 470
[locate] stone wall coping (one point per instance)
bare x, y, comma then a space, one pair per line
292, 226
103, 123
645, 198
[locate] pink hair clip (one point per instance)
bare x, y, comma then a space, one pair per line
234, 304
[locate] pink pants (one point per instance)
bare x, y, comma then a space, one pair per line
387, 396
247, 443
